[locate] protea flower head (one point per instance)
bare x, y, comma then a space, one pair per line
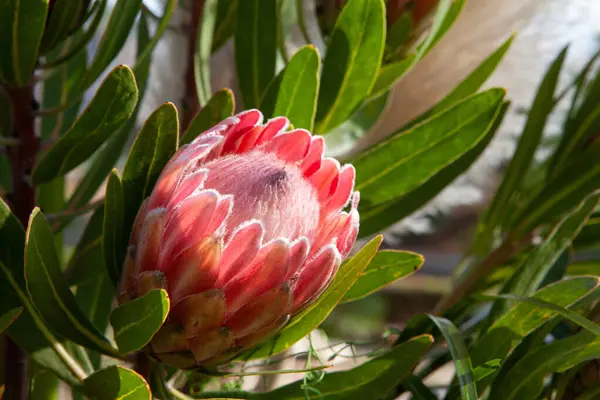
244, 228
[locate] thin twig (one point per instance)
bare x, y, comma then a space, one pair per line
75, 211
9, 141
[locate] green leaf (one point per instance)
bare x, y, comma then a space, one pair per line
147, 46
62, 14
589, 237
115, 34
523, 318
582, 118
293, 93
307, 320
220, 106
405, 161
116, 382
155, 144
537, 265
81, 39
49, 291
9, 316
386, 267
343, 138
371, 380
255, 48
522, 160
568, 314
204, 41
353, 57
106, 159
479, 373
226, 20
525, 379
460, 355
114, 239
22, 25
579, 268
136, 321
446, 14
109, 109
28, 331
418, 389
56, 91
389, 74
386, 214
398, 34
472, 82
562, 192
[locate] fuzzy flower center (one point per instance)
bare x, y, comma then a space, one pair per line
267, 189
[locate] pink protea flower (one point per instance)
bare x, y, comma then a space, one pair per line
244, 228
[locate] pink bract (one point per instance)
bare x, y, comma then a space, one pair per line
244, 228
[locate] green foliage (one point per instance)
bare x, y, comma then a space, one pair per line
137, 321
58, 299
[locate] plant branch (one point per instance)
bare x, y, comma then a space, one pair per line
191, 103
22, 199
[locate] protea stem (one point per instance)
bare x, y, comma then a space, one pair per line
22, 200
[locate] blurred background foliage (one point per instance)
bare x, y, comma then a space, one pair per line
499, 197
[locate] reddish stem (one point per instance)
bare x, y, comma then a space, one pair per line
191, 104
22, 199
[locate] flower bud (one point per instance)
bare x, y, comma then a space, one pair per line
244, 228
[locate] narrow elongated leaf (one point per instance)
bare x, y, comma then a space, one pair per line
344, 137
353, 57
377, 218
568, 314
479, 373
537, 265
446, 14
105, 160
522, 319
403, 162
472, 82
460, 355
135, 322
386, 267
107, 112
117, 29
64, 12
9, 316
226, 21
589, 237
371, 380
113, 242
147, 46
255, 48
204, 42
219, 107
293, 93
49, 291
525, 379
562, 193
31, 335
22, 25
116, 382
28, 331
529, 141
307, 320
418, 389
81, 39
155, 144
